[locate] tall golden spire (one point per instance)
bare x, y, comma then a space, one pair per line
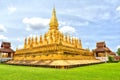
53, 21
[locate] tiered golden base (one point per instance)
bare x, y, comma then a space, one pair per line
62, 64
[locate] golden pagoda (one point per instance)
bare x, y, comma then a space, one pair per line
53, 45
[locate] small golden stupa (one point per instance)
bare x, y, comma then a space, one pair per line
53, 49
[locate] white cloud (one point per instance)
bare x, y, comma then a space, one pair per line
118, 8
83, 23
117, 14
112, 1
19, 39
32, 35
68, 30
118, 11
2, 28
2, 37
11, 9
92, 13
35, 23
87, 43
105, 16
20, 46
118, 46
63, 23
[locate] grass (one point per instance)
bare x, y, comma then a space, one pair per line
106, 71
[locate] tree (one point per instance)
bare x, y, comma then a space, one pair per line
118, 51
110, 58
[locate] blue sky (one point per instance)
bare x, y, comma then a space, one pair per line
90, 20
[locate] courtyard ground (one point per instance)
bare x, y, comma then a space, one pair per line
105, 71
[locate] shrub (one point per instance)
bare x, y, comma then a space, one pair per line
110, 58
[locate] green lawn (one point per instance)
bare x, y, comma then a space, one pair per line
106, 71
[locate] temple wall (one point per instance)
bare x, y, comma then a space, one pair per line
54, 57
53, 52
53, 48
78, 57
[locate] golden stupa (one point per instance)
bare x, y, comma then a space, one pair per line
53, 45
53, 49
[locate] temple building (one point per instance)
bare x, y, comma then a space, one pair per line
52, 46
102, 50
6, 53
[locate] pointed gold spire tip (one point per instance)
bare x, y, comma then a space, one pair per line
53, 21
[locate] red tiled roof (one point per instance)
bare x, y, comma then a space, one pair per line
7, 50
117, 57
100, 44
112, 53
6, 44
100, 49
